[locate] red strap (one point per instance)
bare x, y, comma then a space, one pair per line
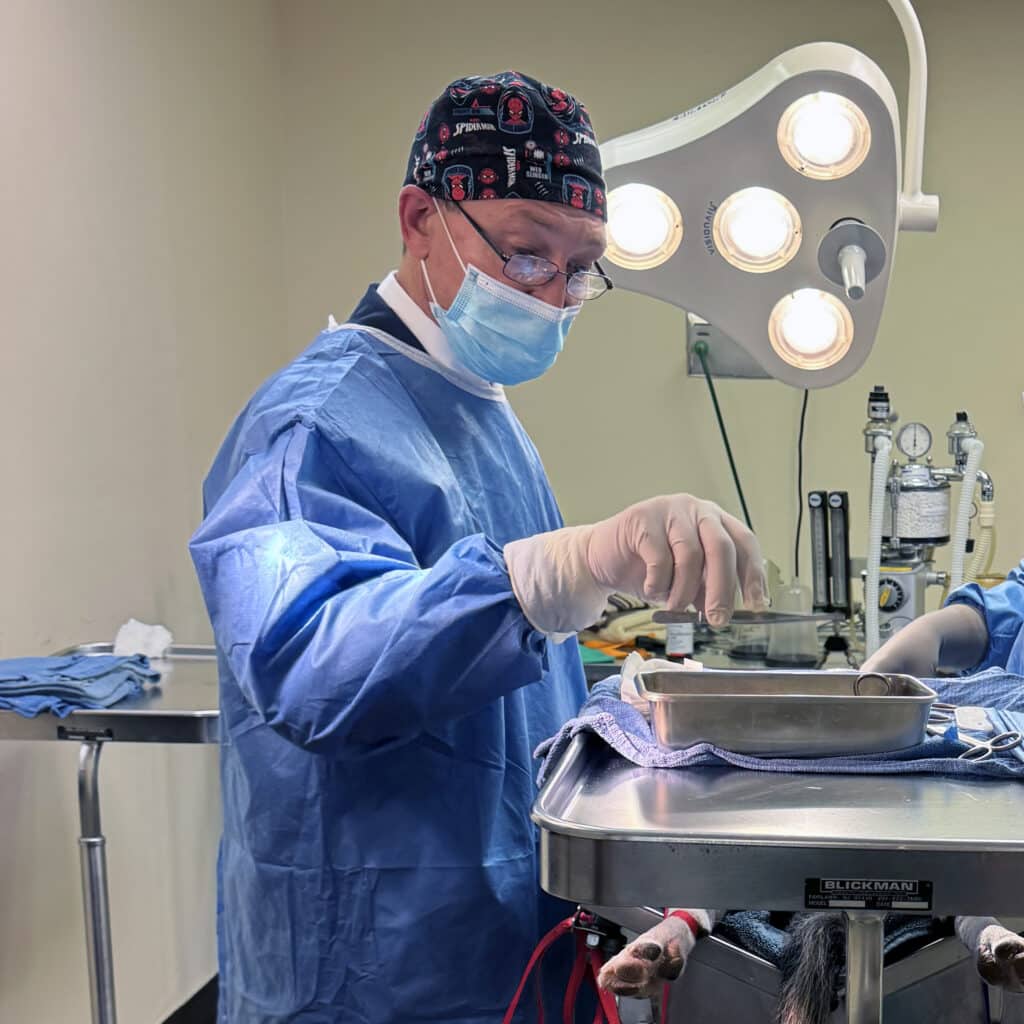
560, 929
599, 1017
606, 1001
587, 966
692, 923
579, 971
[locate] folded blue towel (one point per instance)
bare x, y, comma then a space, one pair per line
626, 731
64, 684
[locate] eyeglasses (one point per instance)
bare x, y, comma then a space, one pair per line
533, 271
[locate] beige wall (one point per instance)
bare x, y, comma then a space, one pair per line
618, 419
140, 274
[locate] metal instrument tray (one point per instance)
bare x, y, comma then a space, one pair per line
787, 714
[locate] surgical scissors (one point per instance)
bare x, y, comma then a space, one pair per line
943, 715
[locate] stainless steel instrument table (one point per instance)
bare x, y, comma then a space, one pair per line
181, 708
615, 835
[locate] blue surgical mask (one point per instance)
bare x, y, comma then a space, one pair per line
496, 331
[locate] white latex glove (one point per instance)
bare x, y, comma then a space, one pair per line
955, 637
675, 550
657, 956
999, 953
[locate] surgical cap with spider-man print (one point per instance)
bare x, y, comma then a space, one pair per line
508, 136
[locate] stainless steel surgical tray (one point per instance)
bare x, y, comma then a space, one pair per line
787, 714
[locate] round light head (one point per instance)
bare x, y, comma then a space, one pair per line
810, 329
645, 227
824, 136
757, 230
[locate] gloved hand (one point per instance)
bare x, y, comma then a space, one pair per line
676, 550
955, 637
657, 956
999, 952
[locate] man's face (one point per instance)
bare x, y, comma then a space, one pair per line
571, 239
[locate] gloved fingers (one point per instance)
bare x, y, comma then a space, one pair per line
749, 563
914, 649
688, 563
719, 570
878, 662
652, 547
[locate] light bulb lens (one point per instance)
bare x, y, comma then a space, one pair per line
645, 227
757, 230
810, 329
824, 135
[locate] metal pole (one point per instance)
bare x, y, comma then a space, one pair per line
95, 902
864, 967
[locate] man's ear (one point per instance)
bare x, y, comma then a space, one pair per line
415, 210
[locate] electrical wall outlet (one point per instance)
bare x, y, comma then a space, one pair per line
725, 357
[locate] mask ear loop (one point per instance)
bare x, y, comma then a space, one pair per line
430, 287
451, 242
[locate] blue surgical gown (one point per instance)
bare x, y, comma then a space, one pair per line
1003, 608
381, 692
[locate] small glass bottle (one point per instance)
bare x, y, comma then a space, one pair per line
679, 641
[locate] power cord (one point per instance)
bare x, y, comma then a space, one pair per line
700, 349
800, 485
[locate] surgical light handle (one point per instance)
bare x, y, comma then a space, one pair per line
918, 212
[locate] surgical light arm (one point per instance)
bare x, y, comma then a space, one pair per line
918, 212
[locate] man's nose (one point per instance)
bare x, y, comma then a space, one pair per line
554, 292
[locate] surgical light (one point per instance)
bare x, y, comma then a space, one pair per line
789, 187
824, 136
810, 329
757, 230
644, 227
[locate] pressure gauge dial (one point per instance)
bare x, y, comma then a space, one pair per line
914, 440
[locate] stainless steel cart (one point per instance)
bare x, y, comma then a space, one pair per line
181, 709
615, 835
